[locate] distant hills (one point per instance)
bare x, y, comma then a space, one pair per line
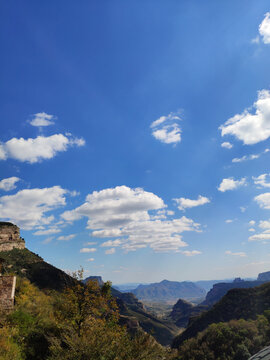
169, 290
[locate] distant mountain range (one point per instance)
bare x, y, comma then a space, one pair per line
169, 290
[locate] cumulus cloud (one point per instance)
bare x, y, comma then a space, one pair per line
227, 145
111, 243
42, 119
115, 207
259, 237
265, 235
252, 222
66, 237
231, 184
264, 224
184, 203
166, 129
110, 251
87, 250
9, 183
91, 259
261, 180
229, 221
263, 200
248, 127
123, 212
264, 28
240, 254
37, 149
27, 208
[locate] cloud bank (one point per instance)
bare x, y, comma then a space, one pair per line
123, 213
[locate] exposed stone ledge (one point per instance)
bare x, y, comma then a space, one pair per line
10, 237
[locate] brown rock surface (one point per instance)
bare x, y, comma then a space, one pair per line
10, 237
7, 291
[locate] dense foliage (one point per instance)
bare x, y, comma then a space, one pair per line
80, 323
235, 340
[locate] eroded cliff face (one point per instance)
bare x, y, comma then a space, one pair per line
10, 237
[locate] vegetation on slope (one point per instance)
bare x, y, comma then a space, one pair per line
236, 304
45, 276
79, 323
234, 340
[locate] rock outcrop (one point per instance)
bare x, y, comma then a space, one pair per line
265, 276
10, 237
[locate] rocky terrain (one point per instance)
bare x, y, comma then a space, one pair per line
10, 237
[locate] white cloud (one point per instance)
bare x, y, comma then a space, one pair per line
246, 158
42, 119
227, 145
251, 230
184, 203
243, 209
261, 180
249, 157
252, 222
229, 221
248, 127
115, 207
191, 253
87, 250
263, 200
9, 183
49, 231
66, 237
91, 243
264, 224
122, 212
37, 149
259, 237
27, 208
231, 184
111, 243
166, 129
240, 254
264, 28
110, 251
91, 259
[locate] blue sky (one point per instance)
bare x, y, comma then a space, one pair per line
135, 134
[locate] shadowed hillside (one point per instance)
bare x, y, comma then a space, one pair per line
236, 304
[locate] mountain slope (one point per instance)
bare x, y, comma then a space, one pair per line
168, 290
221, 289
25, 263
236, 304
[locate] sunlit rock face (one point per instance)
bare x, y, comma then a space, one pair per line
10, 237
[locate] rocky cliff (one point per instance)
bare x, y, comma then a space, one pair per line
10, 237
